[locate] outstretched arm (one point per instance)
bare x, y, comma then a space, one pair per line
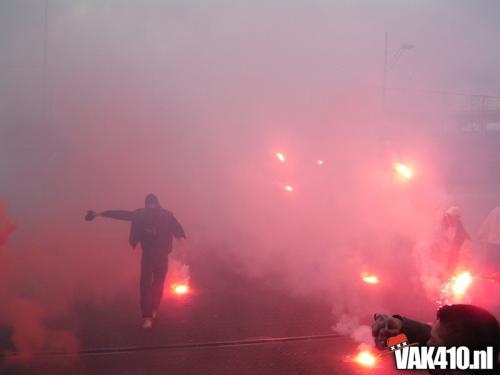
112, 214
177, 229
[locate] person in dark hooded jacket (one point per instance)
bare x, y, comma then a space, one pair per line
153, 227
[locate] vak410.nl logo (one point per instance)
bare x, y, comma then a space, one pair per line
411, 357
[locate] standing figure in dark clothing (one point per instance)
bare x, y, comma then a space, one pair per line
489, 237
444, 253
153, 227
456, 242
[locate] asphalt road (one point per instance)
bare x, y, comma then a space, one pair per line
310, 357
222, 307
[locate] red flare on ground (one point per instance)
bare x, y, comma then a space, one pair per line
403, 170
370, 279
366, 358
281, 157
289, 188
180, 289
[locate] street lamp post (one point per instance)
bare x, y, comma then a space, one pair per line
389, 64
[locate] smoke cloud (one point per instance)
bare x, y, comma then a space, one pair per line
105, 101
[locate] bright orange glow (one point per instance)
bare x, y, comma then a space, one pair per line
289, 188
180, 289
460, 284
370, 279
366, 359
455, 289
320, 162
280, 157
403, 170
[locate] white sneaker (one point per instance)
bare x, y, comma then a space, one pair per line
148, 323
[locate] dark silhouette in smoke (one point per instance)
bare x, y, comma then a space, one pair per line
154, 228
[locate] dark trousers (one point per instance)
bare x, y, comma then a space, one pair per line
154, 266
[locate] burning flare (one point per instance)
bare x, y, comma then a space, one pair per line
366, 358
289, 188
180, 289
320, 162
281, 157
403, 170
455, 289
370, 279
460, 284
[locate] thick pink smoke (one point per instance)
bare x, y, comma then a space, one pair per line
27, 312
191, 101
41, 280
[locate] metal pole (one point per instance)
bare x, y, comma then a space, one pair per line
384, 85
45, 99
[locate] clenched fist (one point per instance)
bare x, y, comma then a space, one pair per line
90, 215
383, 327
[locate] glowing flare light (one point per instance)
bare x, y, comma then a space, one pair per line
455, 289
403, 170
180, 289
289, 188
366, 359
460, 284
370, 279
281, 157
